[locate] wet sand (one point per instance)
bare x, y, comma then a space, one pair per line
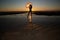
41, 28
33, 32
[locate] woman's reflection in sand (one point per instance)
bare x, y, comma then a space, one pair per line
29, 17
30, 26
29, 20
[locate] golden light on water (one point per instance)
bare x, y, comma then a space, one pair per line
30, 17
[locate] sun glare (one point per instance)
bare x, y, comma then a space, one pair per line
27, 4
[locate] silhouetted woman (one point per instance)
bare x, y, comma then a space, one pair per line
30, 8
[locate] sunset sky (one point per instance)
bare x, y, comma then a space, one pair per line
38, 5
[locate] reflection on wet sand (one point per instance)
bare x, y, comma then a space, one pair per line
30, 25
29, 17
31, 31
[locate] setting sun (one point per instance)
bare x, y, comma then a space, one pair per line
22, 5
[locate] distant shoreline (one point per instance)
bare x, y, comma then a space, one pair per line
34, 12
